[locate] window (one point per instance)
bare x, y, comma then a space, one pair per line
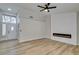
13, 20
8, 19
12, 28
3, 29
3, 19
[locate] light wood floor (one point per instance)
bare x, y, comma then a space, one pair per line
38, 47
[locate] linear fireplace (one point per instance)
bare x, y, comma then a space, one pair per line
62, 35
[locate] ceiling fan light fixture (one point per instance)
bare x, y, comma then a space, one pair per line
46, 7
46, 10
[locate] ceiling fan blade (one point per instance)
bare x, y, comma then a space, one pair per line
51, 7
42, 10
40, 6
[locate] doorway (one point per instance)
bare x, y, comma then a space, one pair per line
9, 27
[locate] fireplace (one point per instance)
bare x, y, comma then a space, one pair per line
62, 35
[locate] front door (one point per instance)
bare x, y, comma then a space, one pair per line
11, 31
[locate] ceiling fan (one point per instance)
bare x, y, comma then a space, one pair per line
46, 7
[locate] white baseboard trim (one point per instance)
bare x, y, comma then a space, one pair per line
29, 39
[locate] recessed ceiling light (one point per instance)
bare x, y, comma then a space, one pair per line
9, 9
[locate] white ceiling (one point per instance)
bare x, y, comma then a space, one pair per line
61, 7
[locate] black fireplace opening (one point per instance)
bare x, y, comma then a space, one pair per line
62, 35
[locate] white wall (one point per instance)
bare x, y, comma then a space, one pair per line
64, 23
47, 19
31, 29
0, 30
78, 28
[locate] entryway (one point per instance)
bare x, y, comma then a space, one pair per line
10, 27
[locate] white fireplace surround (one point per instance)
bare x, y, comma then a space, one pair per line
65, 23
